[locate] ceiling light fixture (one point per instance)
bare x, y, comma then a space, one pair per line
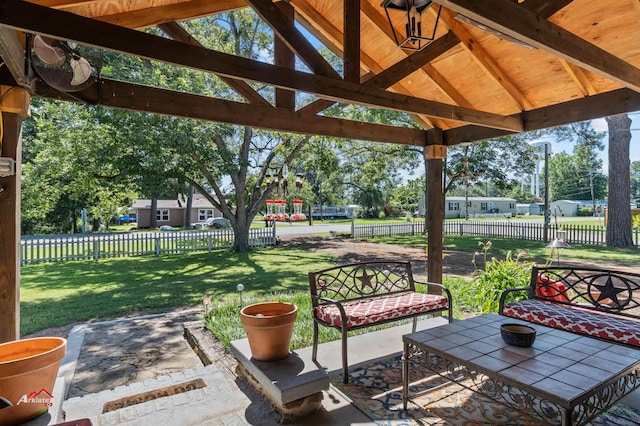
415, 38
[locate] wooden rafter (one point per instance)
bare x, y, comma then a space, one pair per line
117, 94
525, 26
589, 108
578, 76
153, 16
351, 55
292, 37
333, 39
284, 57
17, 14
485, 61
176, 32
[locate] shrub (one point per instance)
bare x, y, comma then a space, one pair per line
496, 276
635, 223
585, 211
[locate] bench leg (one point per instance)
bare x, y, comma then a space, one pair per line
314, 351
345, 370
415, 324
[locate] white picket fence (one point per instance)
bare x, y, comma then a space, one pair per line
102, 246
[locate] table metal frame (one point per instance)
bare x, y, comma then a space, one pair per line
542, 405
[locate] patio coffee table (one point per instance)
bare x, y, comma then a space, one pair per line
563, 377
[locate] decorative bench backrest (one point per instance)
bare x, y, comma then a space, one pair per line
361, 280
604, 290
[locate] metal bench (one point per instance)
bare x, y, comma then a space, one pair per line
358, 295
599, 303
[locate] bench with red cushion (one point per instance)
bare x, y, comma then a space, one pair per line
593, 302
357, 295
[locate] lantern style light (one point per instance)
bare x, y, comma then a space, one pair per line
416, 37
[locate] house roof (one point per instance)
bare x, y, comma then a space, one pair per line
198, 202
582, 62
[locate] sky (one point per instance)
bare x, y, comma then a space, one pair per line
601, 125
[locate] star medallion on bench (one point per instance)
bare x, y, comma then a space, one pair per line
609, 291
365, 279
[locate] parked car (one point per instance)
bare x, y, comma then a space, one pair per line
166, 228
218, 222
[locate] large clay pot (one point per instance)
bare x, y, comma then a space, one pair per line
28, 370
269, 327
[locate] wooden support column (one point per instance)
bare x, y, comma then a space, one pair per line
10, 230
434, 154
284, 57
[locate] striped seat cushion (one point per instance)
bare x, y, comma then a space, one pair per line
375, 310
576, 319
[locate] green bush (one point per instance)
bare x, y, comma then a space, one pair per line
585, 211
635, 223
496, 276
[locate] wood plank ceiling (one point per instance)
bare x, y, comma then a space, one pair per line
536, 63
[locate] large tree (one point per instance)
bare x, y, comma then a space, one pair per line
635, 181
619, 211
578, 176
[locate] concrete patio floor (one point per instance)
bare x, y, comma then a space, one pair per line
111, 360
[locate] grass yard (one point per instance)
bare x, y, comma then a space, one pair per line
56, 294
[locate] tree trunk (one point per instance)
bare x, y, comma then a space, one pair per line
619, 211
241, 230
187, 214
153, 219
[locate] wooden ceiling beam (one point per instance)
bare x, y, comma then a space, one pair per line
176, 32
284, 57
518, 22
293, 38
153, 16
579, 77
351, 43
331, 36
33, 18
135, 97
589, 108
545, 8
398, 71
413, 63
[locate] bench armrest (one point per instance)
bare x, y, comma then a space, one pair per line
505, 293
343, 313
444, 290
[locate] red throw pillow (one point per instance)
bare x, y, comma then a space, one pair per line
551, 290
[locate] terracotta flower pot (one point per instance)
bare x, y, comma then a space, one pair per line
28, 370
269, 327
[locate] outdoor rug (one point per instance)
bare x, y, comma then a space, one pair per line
376, 390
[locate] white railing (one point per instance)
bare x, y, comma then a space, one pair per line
102, 246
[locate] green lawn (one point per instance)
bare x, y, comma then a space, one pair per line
56, 294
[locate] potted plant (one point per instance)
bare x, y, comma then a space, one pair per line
28, 370
269, 327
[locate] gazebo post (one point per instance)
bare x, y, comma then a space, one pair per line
14, 105
434, 154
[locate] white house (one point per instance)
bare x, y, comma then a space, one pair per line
476, 207
562, 208
172, 212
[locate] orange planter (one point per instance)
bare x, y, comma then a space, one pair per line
28, 370
269, 328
